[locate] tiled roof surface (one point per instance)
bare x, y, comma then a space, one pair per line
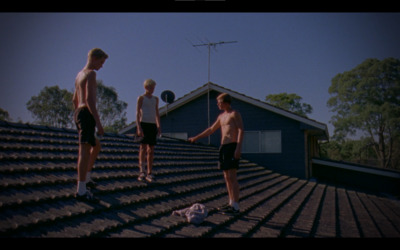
38, 182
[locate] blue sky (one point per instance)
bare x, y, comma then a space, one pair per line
275, 52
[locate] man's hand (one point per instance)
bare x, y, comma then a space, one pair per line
191, 139
237, 154
159, 132
139, 132
100, 130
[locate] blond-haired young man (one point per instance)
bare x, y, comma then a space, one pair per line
87, 120
148, 127
231, 124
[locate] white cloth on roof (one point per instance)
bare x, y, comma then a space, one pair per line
194, 214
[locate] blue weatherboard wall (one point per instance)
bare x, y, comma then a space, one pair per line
291, 160
192, 118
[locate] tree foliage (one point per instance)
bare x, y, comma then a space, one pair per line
111, 110
357, 151
4, 116
291, 102
52, 107
367, 99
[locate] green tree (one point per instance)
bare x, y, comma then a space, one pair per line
356, 151
367, 99
291, 102
111, 110
52, 107
4, 116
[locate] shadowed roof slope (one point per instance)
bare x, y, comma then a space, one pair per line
38, 182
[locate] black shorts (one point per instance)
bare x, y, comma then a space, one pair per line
227, 157
86, 126
150, 133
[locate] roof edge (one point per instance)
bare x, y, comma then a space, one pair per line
212, 86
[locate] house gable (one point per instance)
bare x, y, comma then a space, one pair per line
319, 129
238, 96
188, 116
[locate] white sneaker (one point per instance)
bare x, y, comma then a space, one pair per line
141, 177
150, 178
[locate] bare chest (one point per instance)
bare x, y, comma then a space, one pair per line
227, 120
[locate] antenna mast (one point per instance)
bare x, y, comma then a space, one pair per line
209, 44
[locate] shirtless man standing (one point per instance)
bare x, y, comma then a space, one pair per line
230, 122
87, 119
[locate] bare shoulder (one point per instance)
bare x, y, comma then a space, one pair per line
237, 117
90, 74
236, 113
84, 75
233, 114
140, 99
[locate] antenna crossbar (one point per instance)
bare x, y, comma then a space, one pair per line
209, 45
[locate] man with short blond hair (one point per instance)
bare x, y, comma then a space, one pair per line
87, 120
231, 124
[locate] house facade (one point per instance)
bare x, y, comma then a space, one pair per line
275, 138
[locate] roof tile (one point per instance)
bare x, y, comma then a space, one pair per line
37, 194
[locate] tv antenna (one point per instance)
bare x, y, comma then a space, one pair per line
209, 45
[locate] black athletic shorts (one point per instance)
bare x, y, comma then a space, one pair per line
86, 126
150, 133
227, 157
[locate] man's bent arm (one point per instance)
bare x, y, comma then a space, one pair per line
239, 124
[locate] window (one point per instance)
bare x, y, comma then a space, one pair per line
262, 142
251, 142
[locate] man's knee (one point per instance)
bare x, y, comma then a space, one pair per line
97, 148
230, 174
150, 149
84, 148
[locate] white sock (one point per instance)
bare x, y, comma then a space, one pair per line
235, 205
230, 202
81, 189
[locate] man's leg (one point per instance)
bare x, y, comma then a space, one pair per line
150, 158
232, 186
83, 162
142, 161
228, 186
142, 157
94, 152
